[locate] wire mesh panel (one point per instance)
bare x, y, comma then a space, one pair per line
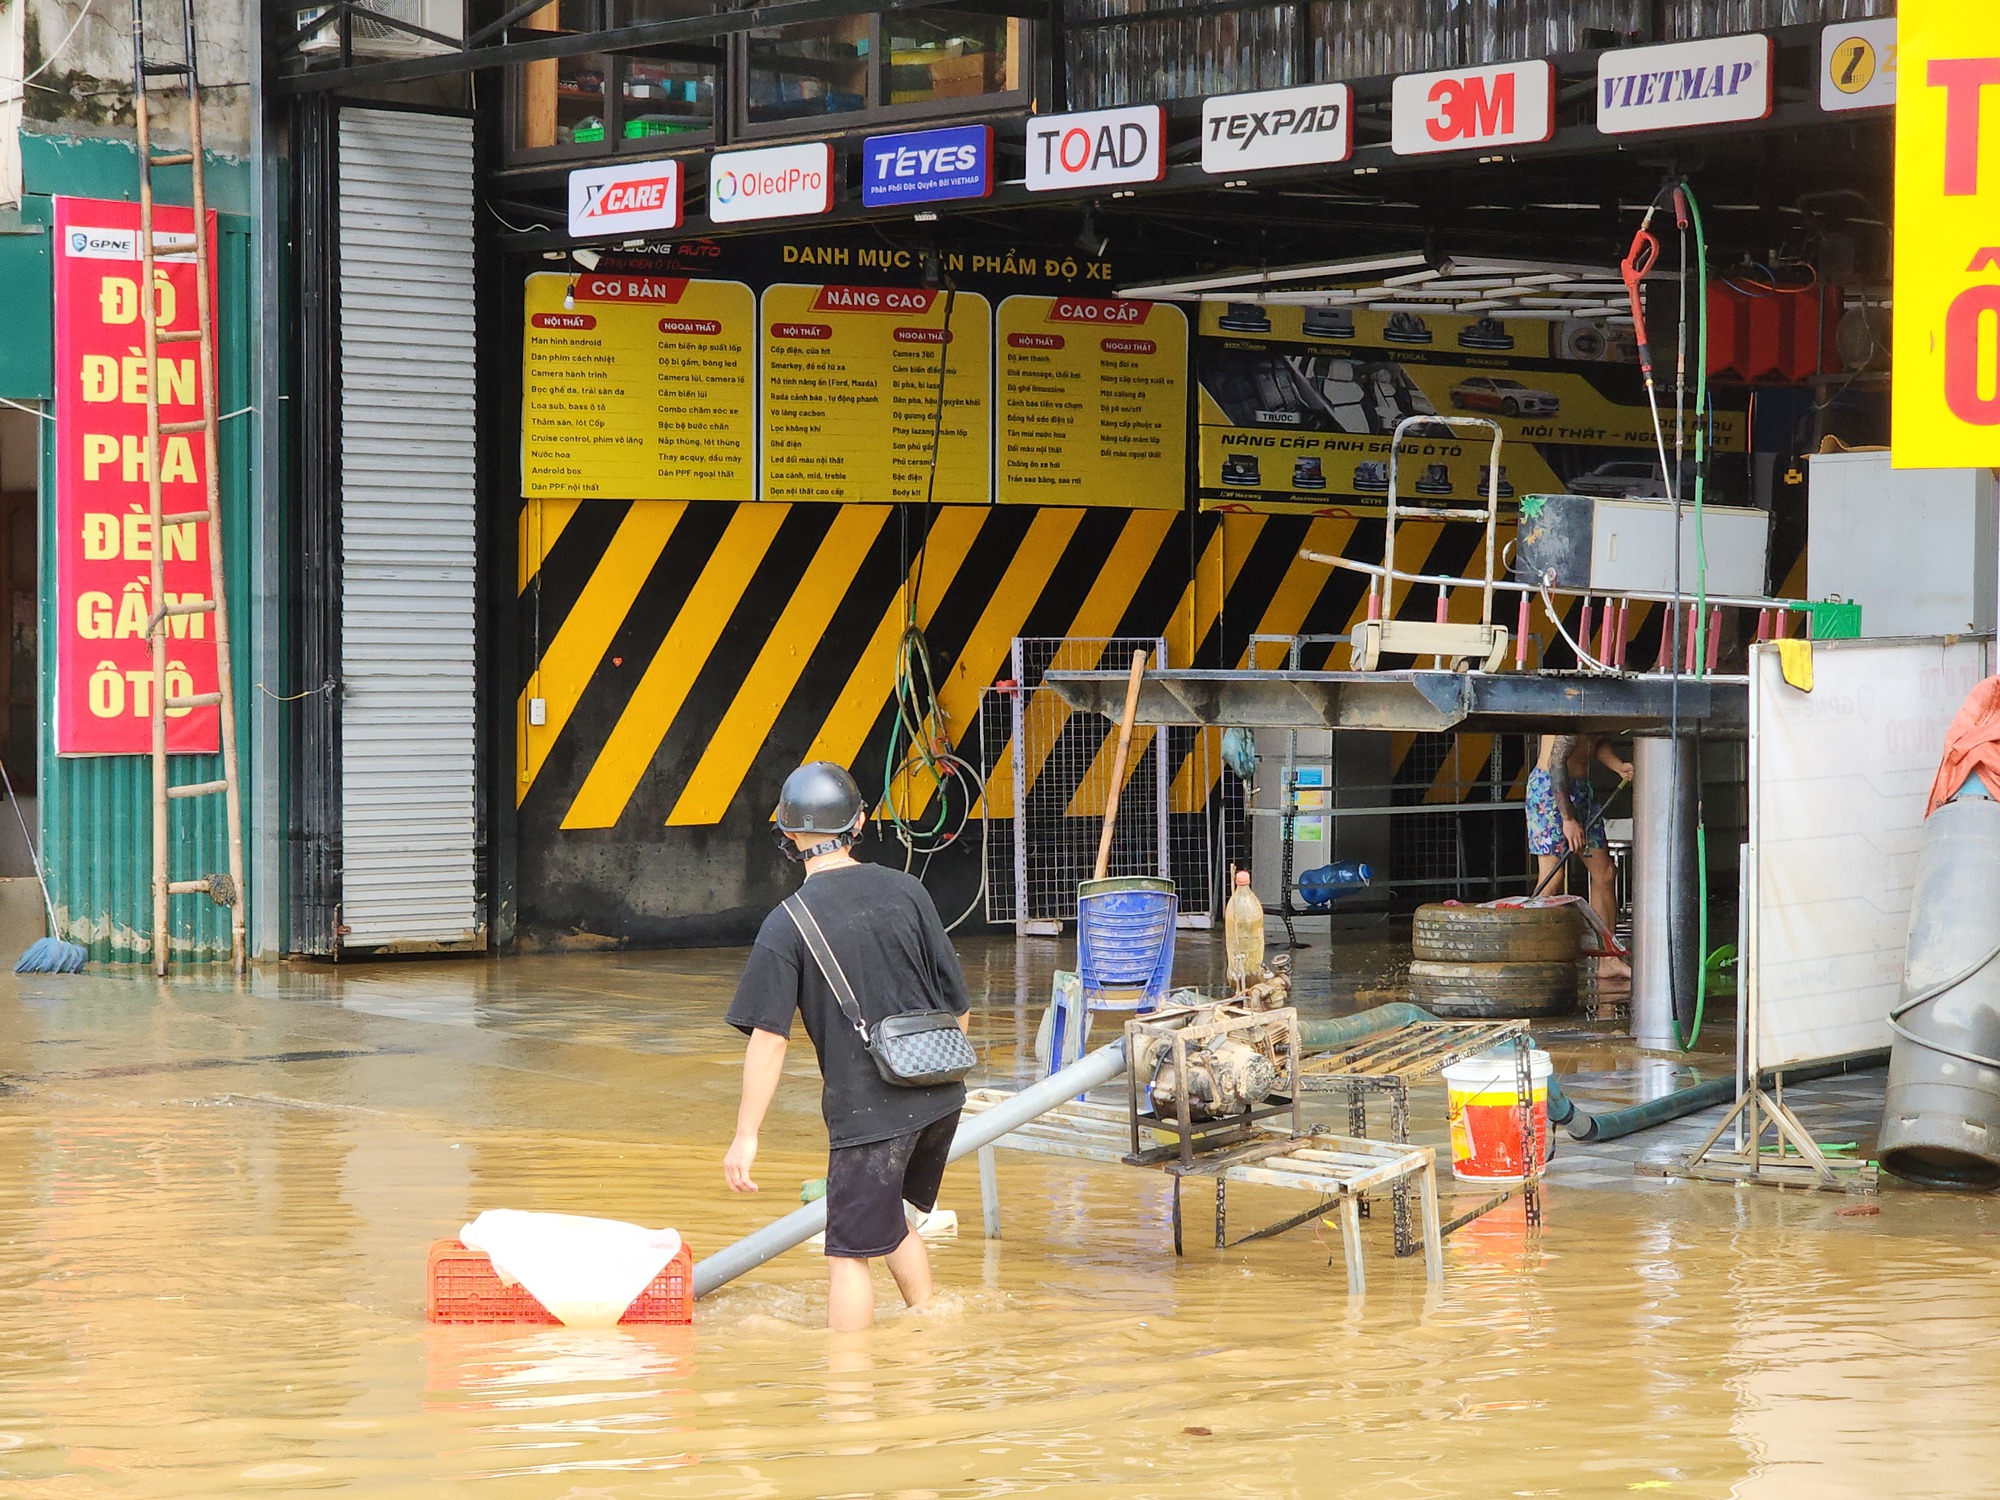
1048, 779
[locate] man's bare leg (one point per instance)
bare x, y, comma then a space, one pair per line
910, 1264
1604, 900
1545, 867
850, 1294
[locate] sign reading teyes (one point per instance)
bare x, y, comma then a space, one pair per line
1099, 148
1277, 128
1469, 109
1945, 403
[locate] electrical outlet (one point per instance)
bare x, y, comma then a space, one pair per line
538, 711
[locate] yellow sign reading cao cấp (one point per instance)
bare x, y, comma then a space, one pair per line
638, 388
1946, 402
1093, 402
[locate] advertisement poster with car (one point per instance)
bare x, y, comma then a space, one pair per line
1296, 405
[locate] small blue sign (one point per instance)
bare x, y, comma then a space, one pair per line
927, 166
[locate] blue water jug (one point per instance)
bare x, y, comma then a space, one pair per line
1320, 887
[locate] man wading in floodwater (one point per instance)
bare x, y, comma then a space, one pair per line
888, 1143
1563, 819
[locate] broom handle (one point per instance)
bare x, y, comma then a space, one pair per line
1118, 763
48, 901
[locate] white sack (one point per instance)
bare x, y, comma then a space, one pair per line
584, 1271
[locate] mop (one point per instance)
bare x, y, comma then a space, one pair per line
49, 955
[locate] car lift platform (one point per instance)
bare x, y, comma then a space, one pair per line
1419, 702
1337, 1170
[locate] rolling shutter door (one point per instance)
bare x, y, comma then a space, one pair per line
408, 512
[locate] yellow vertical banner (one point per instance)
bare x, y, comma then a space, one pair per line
1946, 402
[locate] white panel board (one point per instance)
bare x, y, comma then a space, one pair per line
408, 519
1839, 779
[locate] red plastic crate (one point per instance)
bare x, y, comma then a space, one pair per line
464, 1288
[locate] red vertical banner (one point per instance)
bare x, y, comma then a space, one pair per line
103, 517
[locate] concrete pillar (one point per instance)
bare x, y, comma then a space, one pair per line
1666, 894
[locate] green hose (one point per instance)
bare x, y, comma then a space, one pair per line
1700, 595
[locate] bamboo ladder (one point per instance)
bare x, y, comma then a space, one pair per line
223, 889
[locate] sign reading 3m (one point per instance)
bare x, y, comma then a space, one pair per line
1470, 109
1945, 404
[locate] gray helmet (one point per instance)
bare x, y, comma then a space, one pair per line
819, 797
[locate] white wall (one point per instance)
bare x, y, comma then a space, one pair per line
1916, 547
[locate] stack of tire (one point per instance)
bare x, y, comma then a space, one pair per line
1494, 962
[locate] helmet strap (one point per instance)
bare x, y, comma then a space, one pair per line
833, 845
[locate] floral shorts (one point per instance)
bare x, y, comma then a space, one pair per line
1545, 828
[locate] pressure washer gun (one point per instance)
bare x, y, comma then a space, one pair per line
1638, 263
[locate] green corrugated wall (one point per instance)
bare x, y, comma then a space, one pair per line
97, 817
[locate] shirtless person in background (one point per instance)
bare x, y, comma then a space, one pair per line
1562, 819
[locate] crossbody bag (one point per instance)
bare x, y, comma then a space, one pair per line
914, 1050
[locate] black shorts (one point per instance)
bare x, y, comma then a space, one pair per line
866, 1187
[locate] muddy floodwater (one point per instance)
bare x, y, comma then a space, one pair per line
215, 1205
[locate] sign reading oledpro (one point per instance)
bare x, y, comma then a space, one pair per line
1945, 403
1101, 148
615, 200
774, 182
1468, 109
1277, 128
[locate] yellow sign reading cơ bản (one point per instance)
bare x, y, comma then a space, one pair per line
640, 388
1945, 405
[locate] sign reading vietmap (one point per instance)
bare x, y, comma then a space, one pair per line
1093, 402
1945, 404
1721, 81
103, 512
851, 378
640, 388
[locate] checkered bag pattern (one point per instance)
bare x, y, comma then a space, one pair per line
914, 1050
921, 1049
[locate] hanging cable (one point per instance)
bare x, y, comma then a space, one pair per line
919, 755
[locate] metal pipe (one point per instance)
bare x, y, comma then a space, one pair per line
974, 1131
1666, 957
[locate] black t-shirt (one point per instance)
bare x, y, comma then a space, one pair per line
884, 929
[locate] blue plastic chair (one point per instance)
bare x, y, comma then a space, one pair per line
1124, 955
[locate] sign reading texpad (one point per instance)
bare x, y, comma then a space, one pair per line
1100, 148
1945, 403
1467, 109
1716, 82
1857, 65
1277, 128
624, 199
927, 166
773, 182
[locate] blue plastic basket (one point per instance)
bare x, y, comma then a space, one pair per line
1125, 941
